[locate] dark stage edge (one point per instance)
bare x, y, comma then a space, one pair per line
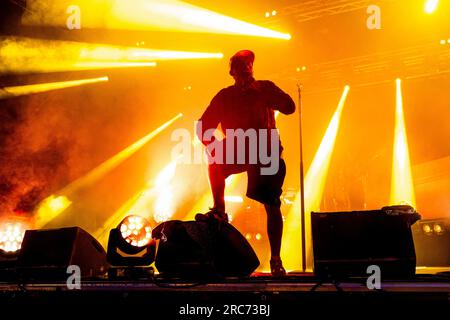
287, 297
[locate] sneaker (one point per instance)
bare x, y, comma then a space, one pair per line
276, 267
212, 215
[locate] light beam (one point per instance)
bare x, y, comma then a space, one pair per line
9, 92
49, 209
158, 191
431, 6
315, 181
22, 55
402, 187
159, 15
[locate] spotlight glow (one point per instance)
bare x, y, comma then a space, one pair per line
234, 199
22, 55
315, 181
437, 228
51, 207
164, 207
158, 191
137, 203
11, 236
8, 92
160, 15
431, 6
116, 160
427, 229
136, 231
402, 187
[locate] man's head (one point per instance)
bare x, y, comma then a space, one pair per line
241, 64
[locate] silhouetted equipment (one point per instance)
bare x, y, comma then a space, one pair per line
203, 249
129, 245
346, 243
432, 242
11, 15
48, 253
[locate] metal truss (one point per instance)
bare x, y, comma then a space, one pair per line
425, 60
313, 9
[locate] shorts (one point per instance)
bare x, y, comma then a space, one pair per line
266, 189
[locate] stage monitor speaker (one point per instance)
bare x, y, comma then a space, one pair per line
345, 244
432, 242
48, 253
202, 249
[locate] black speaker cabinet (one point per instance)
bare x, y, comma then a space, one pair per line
346, 243
48, 253
201, 249
432, 242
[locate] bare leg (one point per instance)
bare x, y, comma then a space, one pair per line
217, 182
274, 229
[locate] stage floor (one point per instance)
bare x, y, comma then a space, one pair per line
172, 297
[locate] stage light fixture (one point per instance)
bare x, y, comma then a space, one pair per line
443, 41
432, 242
11, 237
438, 229
431, 6
427, 229
131, 243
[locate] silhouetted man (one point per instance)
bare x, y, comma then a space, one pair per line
246, 114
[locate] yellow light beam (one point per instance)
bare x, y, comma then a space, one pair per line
49, 209
431, 6
102, 233
160, 15
113, 162
402, 187
164, 206
159, 191
8, 92
21, 55
315, 181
